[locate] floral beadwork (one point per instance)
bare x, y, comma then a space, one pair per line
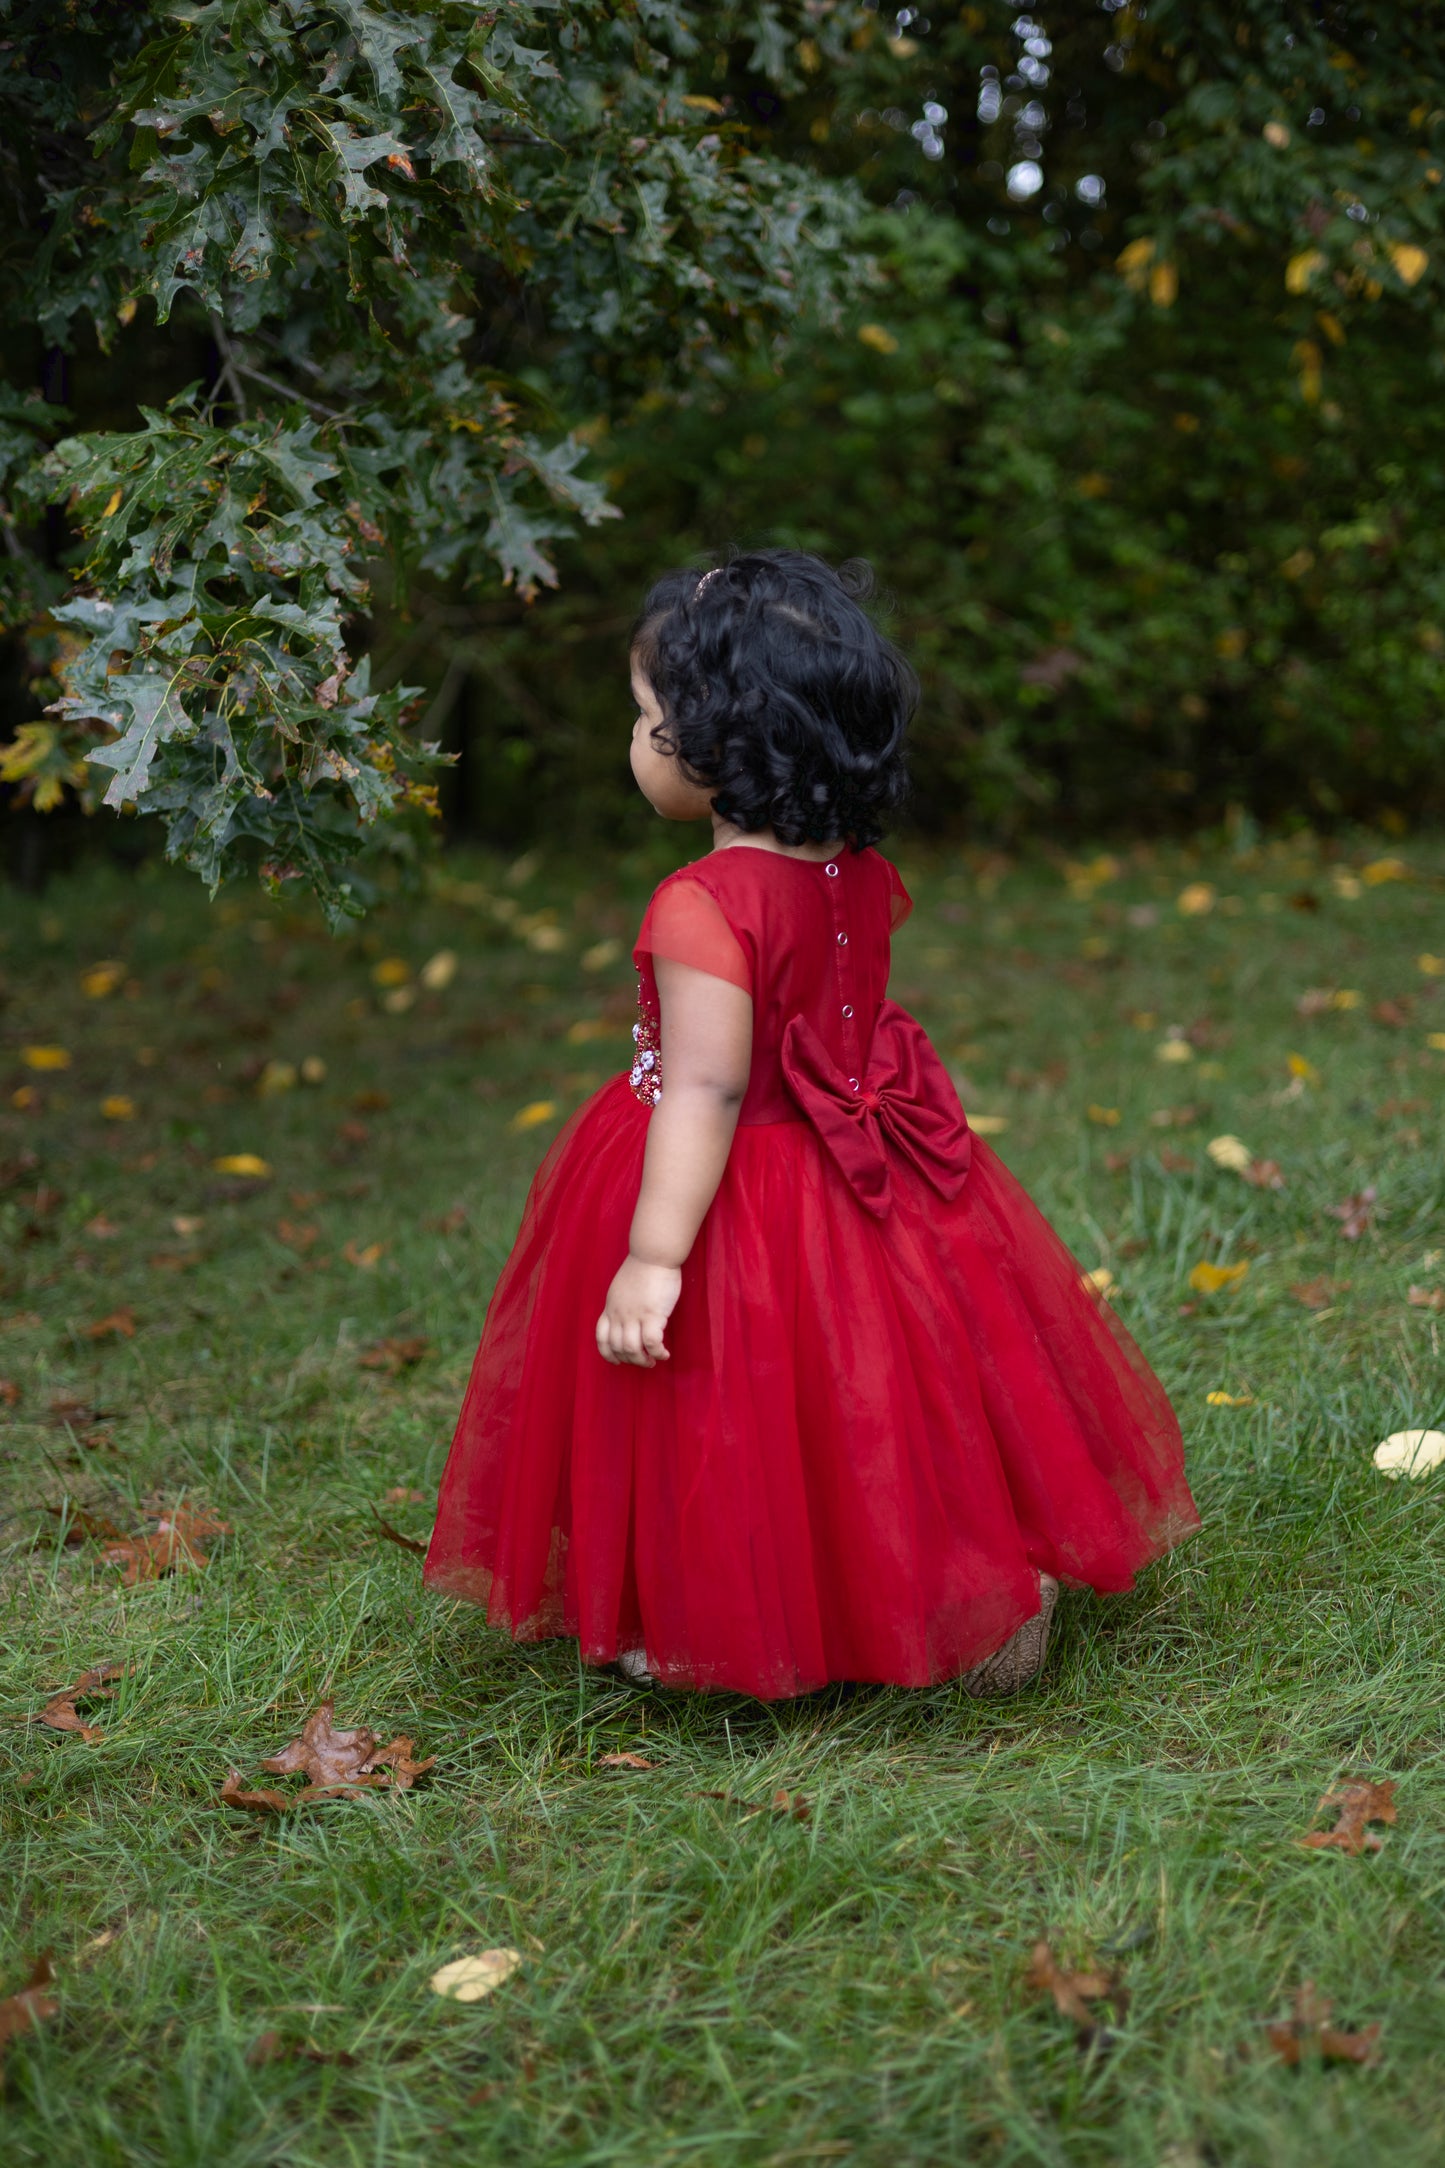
646, 1074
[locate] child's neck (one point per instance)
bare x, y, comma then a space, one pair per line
725, 836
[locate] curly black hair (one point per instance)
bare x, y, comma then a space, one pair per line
780, 695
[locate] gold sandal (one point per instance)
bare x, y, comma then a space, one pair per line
1022, 1656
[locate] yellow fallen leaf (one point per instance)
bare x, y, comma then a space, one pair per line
1345, 885
1196, 899
1384, 869
246, 1163
25, 1098
101, 979
1101, 1280
1409, 1452
45, 1057
188, 1223
1105, 1117
528, 1117
365, 1256
117, 1108
874, 335
988, 1125
701, 104
1207, 1279
1231, 1152
601, 954
1175, 1050
313, 1070
391, 971
277, 1076
1436, 1040
1229, 1400
399, 1000
1432, 966
439, 971
468, 1979
1276, 135
588, 1028
1302, 1068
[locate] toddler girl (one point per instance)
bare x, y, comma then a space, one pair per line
786, 1378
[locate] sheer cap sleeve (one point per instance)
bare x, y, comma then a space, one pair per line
900, 902
685, 924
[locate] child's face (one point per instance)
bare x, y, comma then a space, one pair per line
666, 790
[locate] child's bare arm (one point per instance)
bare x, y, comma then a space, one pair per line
707, 1039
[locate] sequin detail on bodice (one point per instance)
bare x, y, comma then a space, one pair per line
646, 1073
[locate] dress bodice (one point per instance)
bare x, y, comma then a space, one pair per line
804, 938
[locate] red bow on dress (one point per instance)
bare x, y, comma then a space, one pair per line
904, 1096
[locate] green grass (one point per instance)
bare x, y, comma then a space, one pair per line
703, 1984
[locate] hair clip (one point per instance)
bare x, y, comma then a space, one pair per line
704, 580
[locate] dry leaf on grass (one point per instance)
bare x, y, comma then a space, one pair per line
1074, 1992
1319, 1293
1359, 1802
1355, 1213
298, 1235
1409, 1452
468, 1979
177, 1544
81, 1524
1208, 1279
9, 1393
624, 1761
792, 1803
394, 1535
366, 1256
120, 1325
1263, 1174
393, 1356
401, 1496
1309, 2033
30, 2005
59, 1713
337, 1762
450, 1222
1426, 1298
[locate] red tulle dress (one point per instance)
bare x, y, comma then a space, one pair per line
892, 1400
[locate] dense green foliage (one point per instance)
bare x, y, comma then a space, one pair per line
418, 233
1151, 458
707, 1984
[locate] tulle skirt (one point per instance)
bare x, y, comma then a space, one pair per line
871, 1437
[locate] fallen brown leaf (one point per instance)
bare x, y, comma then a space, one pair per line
1356, 1213
1359, 1802
792, 1803
59, 1713
1263, 1174
401, 1496
1308, 2032
1073, 1992
177, 1543
370, 1102
120, 1325
1318, 1294
298, 1235
1395, 1014
301, 1200
1175, 1162
30, 2005
1116, 1162
262, 1802
394, 1535
1176, 1117
393, 1356
9, 1393
69, 1414
173, 1260
451, 1222
1426, 1298
624, 1761
364, 1255
337, 1762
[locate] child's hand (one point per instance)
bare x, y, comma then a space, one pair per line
640, 1301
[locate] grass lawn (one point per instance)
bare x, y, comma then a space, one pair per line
706, 1979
